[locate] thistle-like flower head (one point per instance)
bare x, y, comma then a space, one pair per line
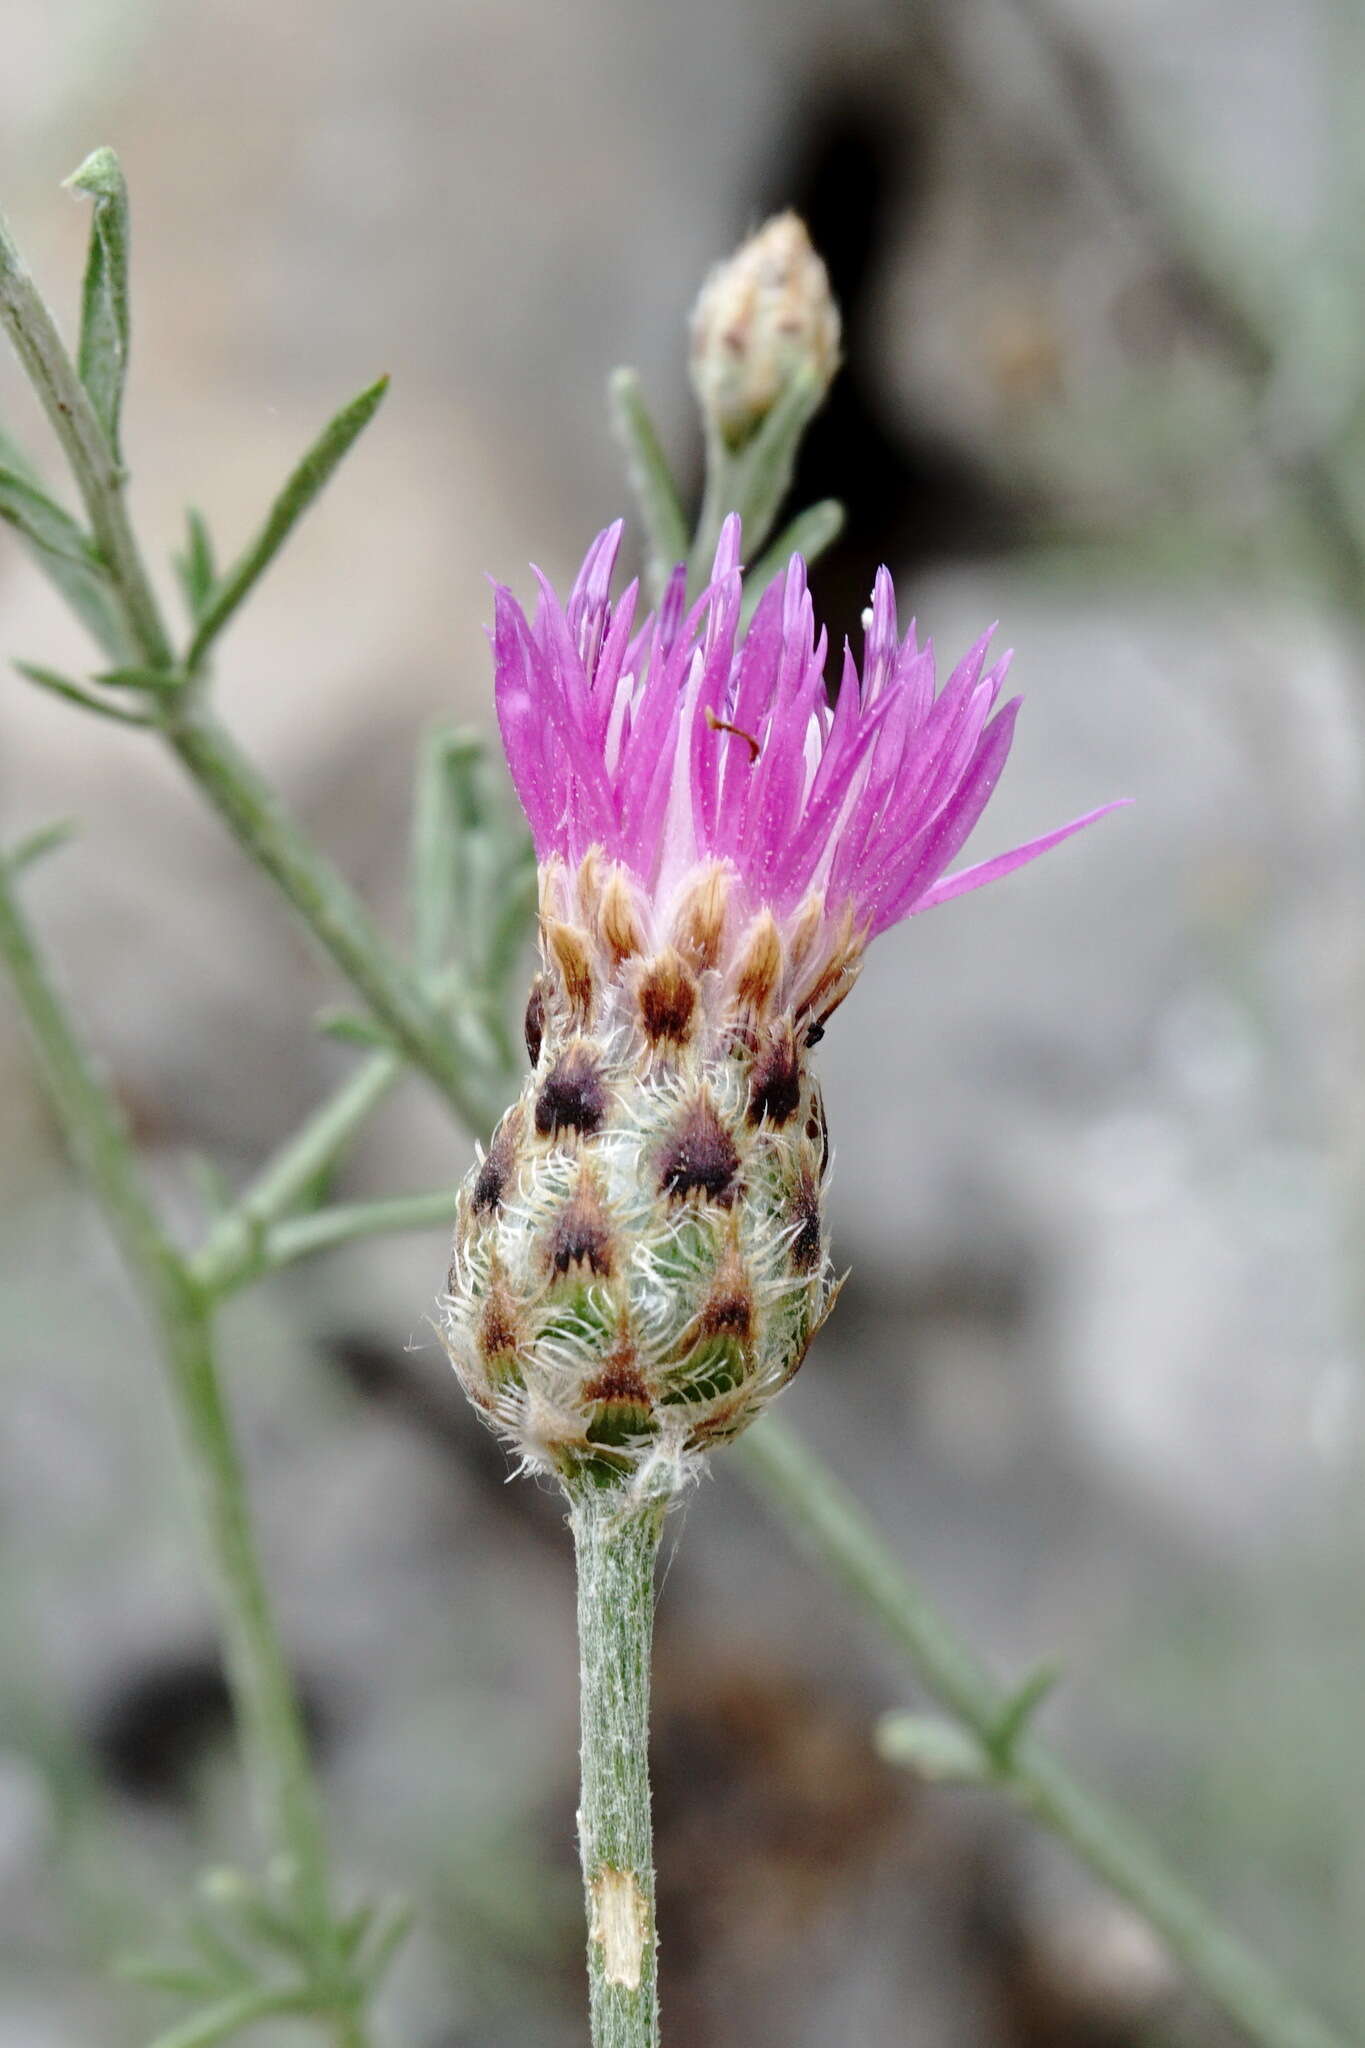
641, 1258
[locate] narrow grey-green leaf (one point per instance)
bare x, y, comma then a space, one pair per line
763, 472
195, 564
42, 523
102, 358
350, 1028
808, 535
158, 680
220, 2022
80, 583
385, 1939
164, 1976
353, 1928
435, 851
62, 686
35, 845
1019, 1711
755, 481
303, 486
651, 480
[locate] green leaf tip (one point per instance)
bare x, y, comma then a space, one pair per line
301, 487
1018, 1712
195, 565
101, 175
102, 358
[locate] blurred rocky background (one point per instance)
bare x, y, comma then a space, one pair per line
1099, 1177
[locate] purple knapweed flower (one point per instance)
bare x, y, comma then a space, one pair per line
641, 1258
686, 744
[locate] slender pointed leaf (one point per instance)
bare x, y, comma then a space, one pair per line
41, 522
241, 1900
195, 565
755, 481
102, 358
808, 535
35, 845
385, 1939
651, 480
62, 686
232, 2015
182, 1978
1019, 1711
353, 1928
434, 858
351, 1027
298, 494
763, 472
159, 680
79, 581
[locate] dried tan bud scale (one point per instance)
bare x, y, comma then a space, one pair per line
640, 1258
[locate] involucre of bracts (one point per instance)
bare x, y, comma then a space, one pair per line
640, 1258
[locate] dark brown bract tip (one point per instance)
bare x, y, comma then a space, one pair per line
807, 1245
728, 1310
580, 1238
699, 1157
666, 997
573, 1095
499, 1328
499, 1169
534, 1023
775, 1082
620, 1381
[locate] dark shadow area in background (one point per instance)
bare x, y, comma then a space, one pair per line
860, 162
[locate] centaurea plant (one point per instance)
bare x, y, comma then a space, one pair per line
641, 1260
640, 1255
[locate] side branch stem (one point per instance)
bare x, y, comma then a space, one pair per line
825, 1520
183, 1312
616, 1538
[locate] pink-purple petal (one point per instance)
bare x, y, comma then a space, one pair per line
681, 740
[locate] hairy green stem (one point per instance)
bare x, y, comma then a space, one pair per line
826, 1521
300, 1236
616, 1539
267, 1706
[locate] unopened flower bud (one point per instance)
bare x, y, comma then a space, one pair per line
764, 317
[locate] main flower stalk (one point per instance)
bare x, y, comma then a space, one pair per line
616, 1539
